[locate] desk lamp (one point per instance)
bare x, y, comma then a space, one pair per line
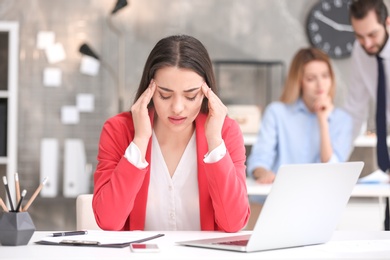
85, 49
120, 4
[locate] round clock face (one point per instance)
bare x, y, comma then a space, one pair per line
329, 29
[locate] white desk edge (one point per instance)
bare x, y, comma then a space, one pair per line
343, 244
361, 141
360, 190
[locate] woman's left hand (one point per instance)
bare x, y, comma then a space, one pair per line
215, 119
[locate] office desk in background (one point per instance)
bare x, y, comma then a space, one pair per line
344, 244
361, 141
364, 211
377, 190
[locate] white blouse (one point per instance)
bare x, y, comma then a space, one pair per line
173, 203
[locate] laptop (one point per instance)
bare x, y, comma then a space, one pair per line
303, 208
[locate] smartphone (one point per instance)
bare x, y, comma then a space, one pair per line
144, 248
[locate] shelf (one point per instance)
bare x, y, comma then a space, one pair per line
4, 94
262, 79
3, 160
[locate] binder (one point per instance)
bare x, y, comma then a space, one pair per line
76, 172
3, 127
49, 166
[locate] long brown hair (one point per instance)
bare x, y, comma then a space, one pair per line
180, 51
293, 86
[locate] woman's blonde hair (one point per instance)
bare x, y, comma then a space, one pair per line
293, 86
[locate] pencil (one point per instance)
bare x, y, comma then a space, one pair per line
17, 187
8, 193
35, 194
3, 205
20, 201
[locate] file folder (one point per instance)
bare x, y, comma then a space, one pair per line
76, 172
49, 166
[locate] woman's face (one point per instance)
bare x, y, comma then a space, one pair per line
316, 81
178, 97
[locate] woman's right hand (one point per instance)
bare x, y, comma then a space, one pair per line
141, 120
263, 176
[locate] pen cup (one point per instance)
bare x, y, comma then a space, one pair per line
16, 228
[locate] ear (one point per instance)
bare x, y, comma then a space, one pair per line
388, 21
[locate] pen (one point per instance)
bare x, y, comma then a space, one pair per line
35, 194
17, 187
8, 193
69, 233
3, 206
21, 199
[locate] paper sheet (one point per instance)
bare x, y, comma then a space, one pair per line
377, 176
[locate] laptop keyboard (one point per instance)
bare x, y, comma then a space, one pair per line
235, 242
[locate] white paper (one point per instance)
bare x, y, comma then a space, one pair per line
45, 39
89, 65
85, 102
70, 115
377, 176
55, 53
52, 77
104, 237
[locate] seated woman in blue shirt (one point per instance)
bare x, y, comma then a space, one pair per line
304, 126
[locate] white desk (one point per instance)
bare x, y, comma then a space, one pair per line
361, 141
362, 245
360, 190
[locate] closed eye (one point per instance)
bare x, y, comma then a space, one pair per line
192, 98
164, 97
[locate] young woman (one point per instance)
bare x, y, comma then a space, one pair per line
175, 161
304, 126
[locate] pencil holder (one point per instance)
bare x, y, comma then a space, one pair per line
16, 228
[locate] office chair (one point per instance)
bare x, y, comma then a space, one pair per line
85, 218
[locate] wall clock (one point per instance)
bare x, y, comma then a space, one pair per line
329, 29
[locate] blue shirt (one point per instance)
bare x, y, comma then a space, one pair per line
289, 134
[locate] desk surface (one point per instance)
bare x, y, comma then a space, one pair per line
360, 141
344, 244
360, 190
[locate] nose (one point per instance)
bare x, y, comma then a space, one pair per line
177, 105
367, 43
321, 83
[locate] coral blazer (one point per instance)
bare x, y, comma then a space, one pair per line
121, 189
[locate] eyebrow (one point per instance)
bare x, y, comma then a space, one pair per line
186, 91
368, 34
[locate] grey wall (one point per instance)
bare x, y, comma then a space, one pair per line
230, 29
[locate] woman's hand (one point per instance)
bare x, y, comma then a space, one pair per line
215, 119
263, 176
142, 126
323, 106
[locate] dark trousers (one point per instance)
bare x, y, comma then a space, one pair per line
387, 224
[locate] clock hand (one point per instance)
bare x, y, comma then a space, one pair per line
331, 23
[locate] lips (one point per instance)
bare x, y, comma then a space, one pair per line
176, 120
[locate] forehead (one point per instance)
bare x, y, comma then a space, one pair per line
367, 25
175, 78
315, 66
